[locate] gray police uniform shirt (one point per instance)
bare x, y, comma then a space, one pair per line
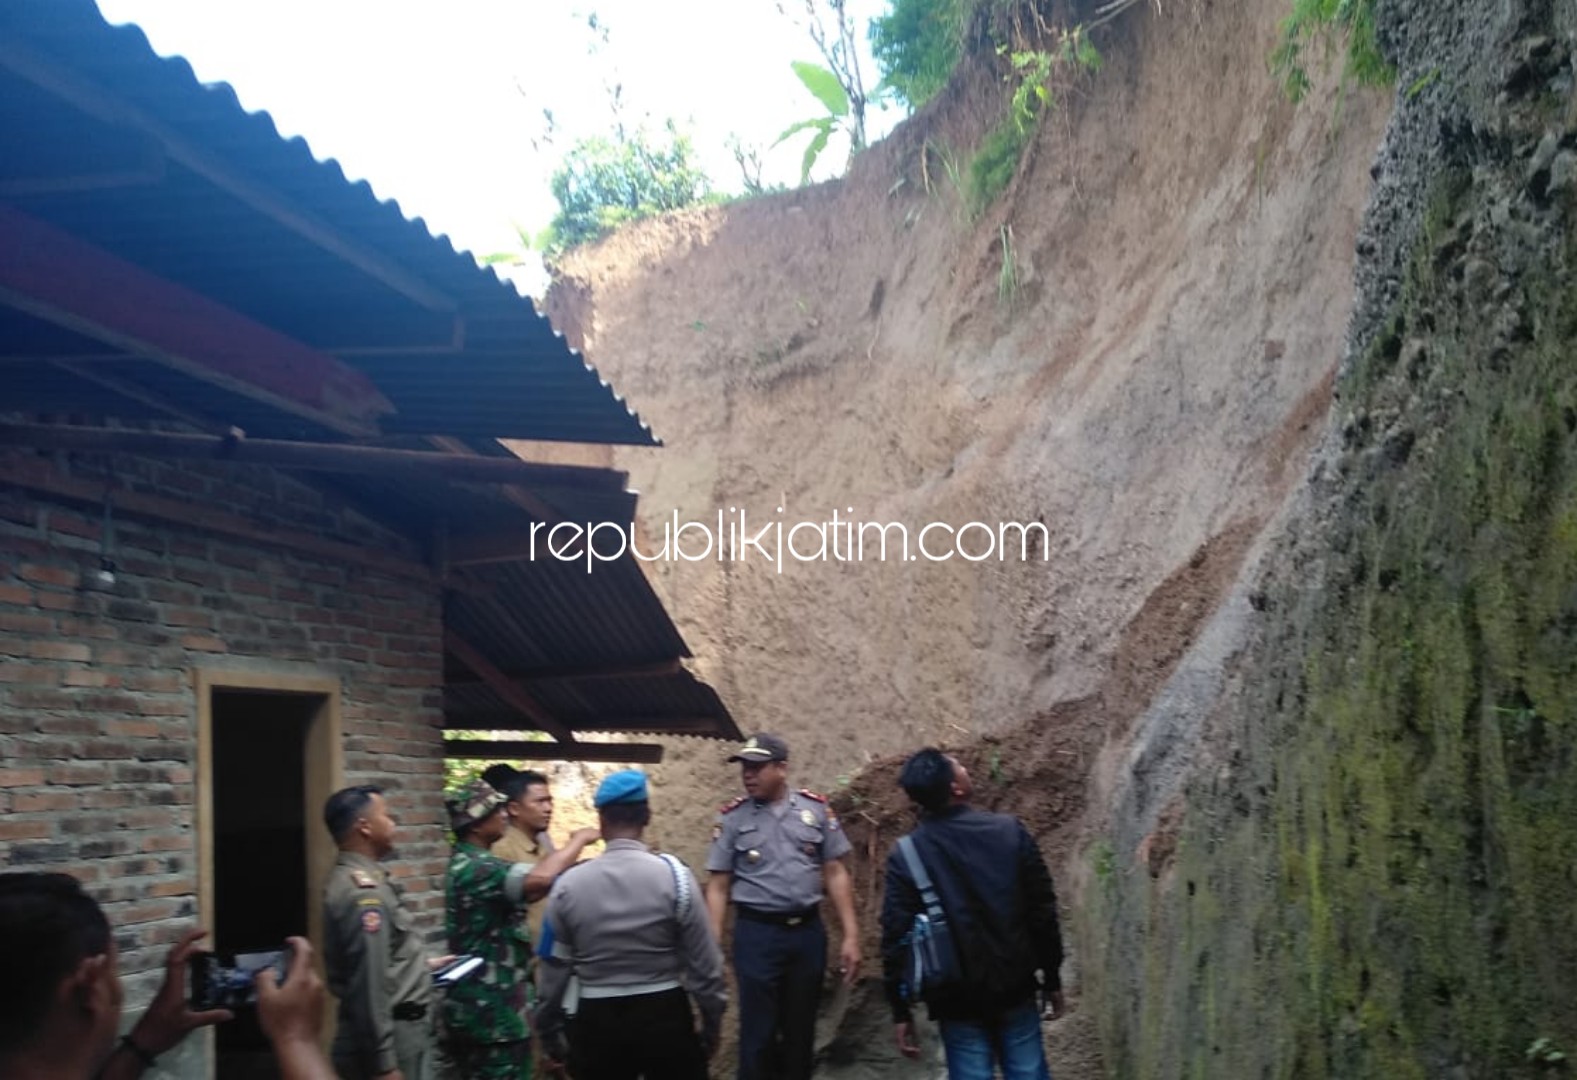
775, 851
374, 958
616, 926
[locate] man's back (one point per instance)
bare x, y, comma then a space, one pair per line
997, 893
620, 917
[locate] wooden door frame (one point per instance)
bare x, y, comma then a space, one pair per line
323, 761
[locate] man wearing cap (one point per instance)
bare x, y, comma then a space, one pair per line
773, 851
629, 925
484, 899
372, 952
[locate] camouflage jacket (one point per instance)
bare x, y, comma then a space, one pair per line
483, 921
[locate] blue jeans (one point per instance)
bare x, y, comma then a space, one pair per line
1010, 1040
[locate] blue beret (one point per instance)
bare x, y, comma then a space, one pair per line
625, 786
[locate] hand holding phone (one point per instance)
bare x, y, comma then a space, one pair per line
214, 983
170, 1016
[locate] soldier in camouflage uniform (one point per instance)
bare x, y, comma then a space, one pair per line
484, 900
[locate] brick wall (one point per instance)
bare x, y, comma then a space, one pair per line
98, 710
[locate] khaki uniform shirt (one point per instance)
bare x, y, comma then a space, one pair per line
517, 845
616, 924
374, 959
775, 851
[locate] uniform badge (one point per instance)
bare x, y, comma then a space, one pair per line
807, 817
752, 856
363, 879
717, 831
372, 920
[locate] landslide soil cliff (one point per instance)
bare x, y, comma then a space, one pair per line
1135, 346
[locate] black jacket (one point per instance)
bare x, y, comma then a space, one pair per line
997, 894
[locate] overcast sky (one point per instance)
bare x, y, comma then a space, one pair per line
437, 103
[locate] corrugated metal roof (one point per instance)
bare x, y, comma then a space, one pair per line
510, 375
457, 351
655, 705
546, 613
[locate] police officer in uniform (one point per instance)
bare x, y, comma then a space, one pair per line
630, 926
484, 905
374, 958
773, 853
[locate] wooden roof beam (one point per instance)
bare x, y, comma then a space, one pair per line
594, 674
290, 454
661, 725
510, 692
51, 274
492, 750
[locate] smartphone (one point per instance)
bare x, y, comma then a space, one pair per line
214, 981
461, 967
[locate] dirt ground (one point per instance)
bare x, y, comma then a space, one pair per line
1145, 379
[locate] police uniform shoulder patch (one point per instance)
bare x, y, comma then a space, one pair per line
363, 879
809, 794
372, 920
736, 804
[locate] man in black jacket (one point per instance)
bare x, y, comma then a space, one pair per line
997, 895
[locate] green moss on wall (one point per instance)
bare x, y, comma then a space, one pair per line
1388, 886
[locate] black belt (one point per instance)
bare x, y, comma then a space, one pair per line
778, 918
409, 1010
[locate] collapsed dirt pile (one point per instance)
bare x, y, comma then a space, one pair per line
1135, 347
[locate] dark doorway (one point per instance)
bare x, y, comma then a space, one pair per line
261, 895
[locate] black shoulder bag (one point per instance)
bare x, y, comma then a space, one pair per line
933, 955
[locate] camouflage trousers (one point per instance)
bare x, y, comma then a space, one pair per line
490, 1061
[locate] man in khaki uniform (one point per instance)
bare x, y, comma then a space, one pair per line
529, 807
374, 957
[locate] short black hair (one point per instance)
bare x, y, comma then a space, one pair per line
48, 926
501, 778
345, 806
626, 815
511, 782
927, 778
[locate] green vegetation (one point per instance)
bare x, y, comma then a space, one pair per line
826, 88
1323, 23
993, 166
1423, 82
917, 44
1385, 886
1033, 74
1007, 293
1544, 1052
607, 182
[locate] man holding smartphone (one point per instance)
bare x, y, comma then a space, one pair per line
376, 965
